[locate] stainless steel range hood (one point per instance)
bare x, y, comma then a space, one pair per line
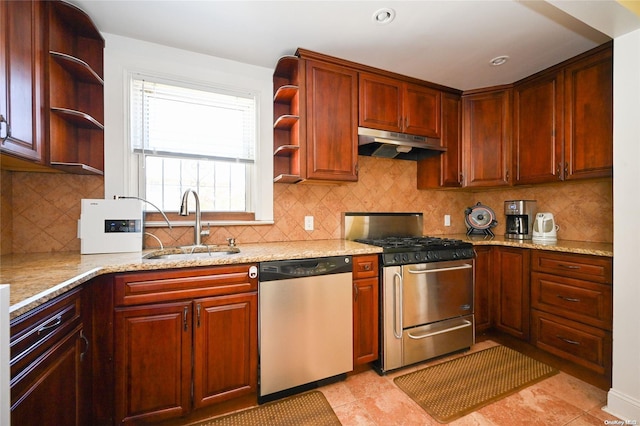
381, 143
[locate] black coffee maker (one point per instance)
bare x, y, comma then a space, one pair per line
520, 216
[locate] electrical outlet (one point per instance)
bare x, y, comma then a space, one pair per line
308, 223
447, 220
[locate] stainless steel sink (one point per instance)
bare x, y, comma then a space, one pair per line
191, 252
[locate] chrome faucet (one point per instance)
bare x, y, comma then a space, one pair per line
184, 211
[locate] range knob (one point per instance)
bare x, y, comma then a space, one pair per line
418, 256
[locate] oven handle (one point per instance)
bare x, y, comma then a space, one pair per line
397, 305
424, 336
428, 271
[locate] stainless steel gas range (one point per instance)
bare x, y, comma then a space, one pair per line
426, 288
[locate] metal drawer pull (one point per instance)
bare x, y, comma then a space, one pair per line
184, 318
435, 333
569, 341
86, 348
429, 271
56, 322
568, 299
568, 266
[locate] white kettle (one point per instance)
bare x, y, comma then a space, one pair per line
545, 228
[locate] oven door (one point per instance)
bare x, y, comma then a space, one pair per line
436, 291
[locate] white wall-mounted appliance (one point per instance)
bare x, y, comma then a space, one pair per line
110, 226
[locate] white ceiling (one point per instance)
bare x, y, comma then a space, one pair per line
445, 42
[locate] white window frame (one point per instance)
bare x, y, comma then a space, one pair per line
124, 54
139, 158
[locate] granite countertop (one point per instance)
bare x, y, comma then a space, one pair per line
566, 246
37, 278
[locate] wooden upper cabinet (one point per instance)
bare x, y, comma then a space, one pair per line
332, 122
486, 125
52, 93
589, 116
563, 121
394, 105
538, 124
445, 170
22, 55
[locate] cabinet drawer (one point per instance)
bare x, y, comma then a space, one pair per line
38, 330
584, 301
592, 268
582, 344
158, 286
365, 266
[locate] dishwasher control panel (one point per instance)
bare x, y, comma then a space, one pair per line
279, 270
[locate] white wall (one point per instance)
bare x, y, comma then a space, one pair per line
125, 54
624, 396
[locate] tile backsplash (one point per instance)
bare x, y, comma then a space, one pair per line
40, 210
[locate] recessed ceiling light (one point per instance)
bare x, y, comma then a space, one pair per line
383, 16
499, 60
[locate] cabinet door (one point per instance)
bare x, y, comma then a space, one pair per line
421, 110
380, 102
332, 117
225, 348
445, 170
365, 320
589, 117
153, 362
53, 391
486, 138
511, 280
482, 297
21, 80
538, 136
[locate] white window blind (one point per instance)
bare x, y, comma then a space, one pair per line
191, 122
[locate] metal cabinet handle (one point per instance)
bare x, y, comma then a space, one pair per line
568, 299
198, 308
185, 312
55, 322
562, 265
86, 348
435, 333
571, 342
558, 170
8, 135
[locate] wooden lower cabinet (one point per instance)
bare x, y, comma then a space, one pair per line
365, 309
225, 348
482, 288
177, 356
153, 361
585, 345
572, 307
511, 291
51, 365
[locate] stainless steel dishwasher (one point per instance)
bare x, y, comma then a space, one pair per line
305, 323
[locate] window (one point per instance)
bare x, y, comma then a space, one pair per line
199, 137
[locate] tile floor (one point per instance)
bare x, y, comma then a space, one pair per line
369, 399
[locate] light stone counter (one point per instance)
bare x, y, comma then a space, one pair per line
566, 246
37, 278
